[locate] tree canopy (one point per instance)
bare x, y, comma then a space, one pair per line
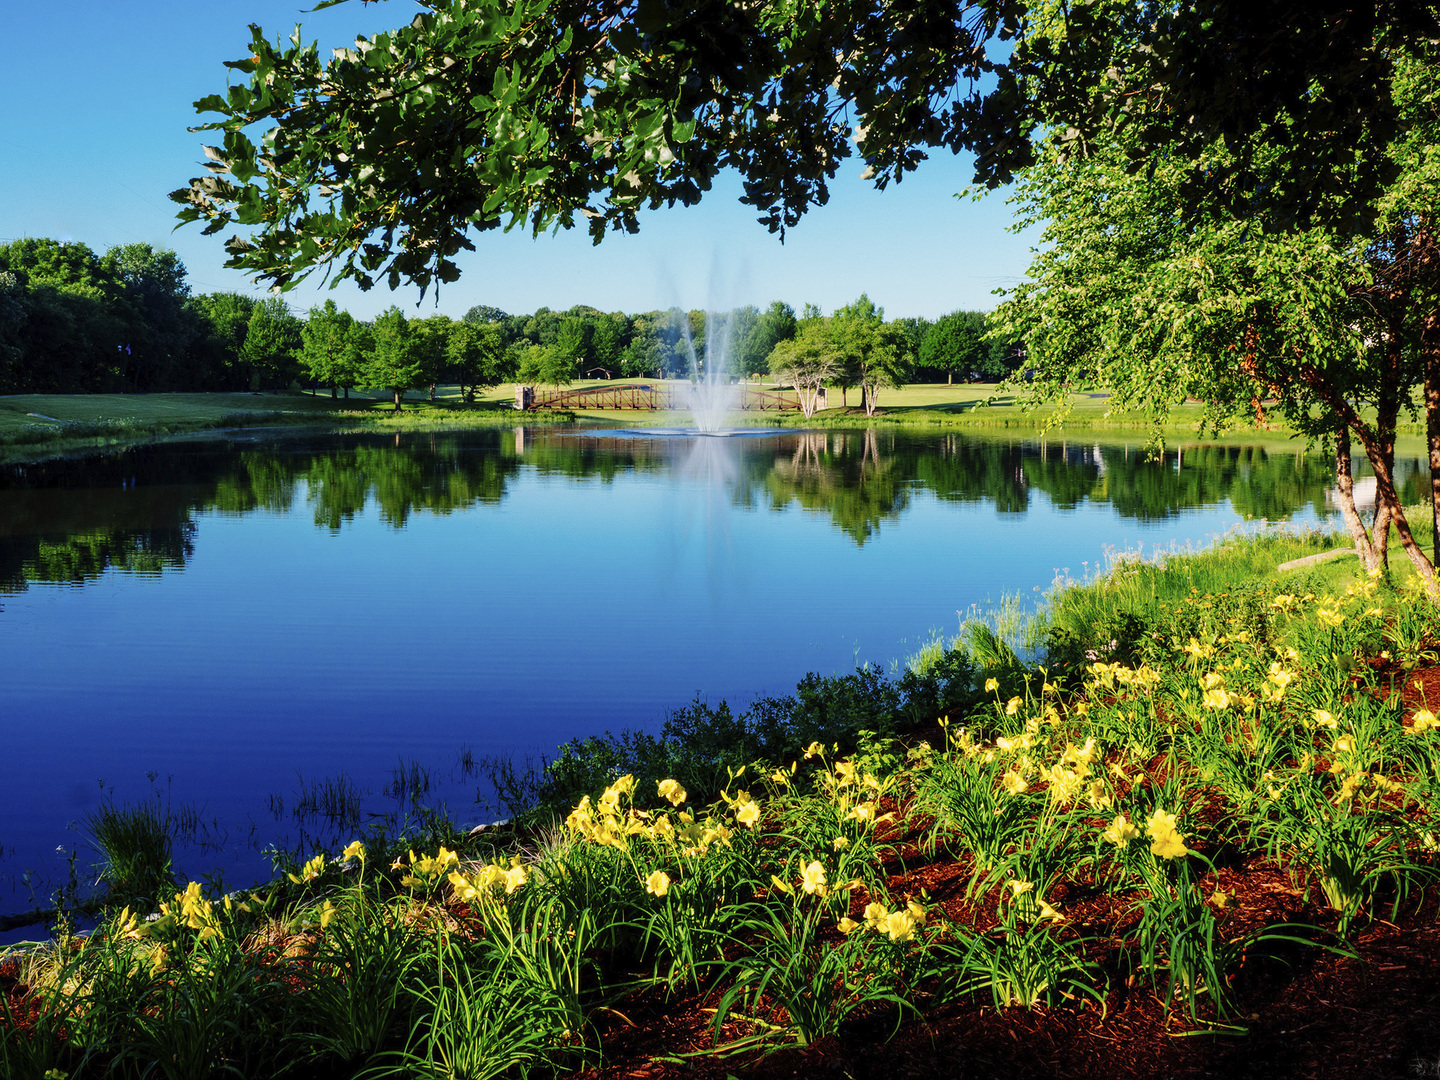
483, 114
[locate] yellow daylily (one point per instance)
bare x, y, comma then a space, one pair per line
813, 880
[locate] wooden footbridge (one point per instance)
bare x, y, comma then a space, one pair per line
653, 397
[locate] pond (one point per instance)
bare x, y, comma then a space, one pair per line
231, 623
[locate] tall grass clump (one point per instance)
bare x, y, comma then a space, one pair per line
137, 844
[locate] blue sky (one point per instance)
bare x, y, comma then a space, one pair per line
98, 96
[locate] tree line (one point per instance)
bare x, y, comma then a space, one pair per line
73, 320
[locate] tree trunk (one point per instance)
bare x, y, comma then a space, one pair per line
334, 393
399, 393
1385, 490
1345, 488
347, 393
432, 393
1380, 534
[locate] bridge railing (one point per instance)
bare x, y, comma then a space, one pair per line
650, 396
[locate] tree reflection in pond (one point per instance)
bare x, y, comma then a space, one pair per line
134, 511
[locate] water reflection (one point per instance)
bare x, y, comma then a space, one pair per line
134, 511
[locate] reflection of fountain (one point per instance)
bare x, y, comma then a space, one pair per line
710, 395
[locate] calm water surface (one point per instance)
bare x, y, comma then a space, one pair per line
228, 621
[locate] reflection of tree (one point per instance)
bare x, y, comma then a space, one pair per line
957, 469
844, 474
85, 556
133, 512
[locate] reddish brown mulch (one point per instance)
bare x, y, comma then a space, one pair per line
1338, 1018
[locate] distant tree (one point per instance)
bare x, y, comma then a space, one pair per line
153, 292
475, 353
572, 342
13, 314
395, 361
955, 342
222, 320
272, 344
484, 313
324, 347
1004, 357
870, 351
608, 341
543, 327
430, 338
542, 364
807, 362
642, 356
774, 325
359, 344
914, 328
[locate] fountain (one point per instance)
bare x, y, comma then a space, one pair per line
710, 397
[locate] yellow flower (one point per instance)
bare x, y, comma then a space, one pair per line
1424, 721
1013, 706
1099, 797
875, 915
814, 878
1048, 912
916, 912
658, 883
1165, 840
992, 685
1120, 832
327, 914
1345, 744
1211, 680
465, 890
309, 872
356, 850
514, 878
747, 813
840, 843
127, 926
1013, 782
1279, 676
671, 790
1018, 887
1329, 617
1169, 846
813, 749
1349, 786
862, 812
1219, 698
1219, 899
1323, 719
846, 925
900, 926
